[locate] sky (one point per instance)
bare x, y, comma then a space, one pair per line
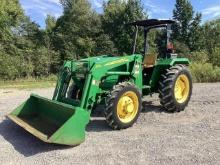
159, 9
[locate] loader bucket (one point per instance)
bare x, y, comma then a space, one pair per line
51, 121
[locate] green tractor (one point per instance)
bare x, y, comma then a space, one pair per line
117, 82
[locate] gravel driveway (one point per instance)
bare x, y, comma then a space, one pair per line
158, 137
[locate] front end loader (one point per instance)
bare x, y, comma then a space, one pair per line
117, 82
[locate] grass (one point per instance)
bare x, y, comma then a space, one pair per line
29, 83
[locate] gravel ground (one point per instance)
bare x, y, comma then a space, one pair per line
188, 137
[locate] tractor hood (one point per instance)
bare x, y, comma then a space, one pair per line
105, 60
83, 66
98, 59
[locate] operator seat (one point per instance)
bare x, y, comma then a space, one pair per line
149, 60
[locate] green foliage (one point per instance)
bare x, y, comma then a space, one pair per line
41, 62
104, 45
76, 29
183, 13
161, 44
13, 67
215, 56
181, 49
7, 69
198, 57
28, 51
195, 38
50, 23
205, 72
201, 69
25, 50
187, 30
10, 16
116, 15
211, 33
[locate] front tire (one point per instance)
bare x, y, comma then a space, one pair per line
175, 88
123, 106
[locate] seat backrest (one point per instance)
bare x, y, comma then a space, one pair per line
149, 60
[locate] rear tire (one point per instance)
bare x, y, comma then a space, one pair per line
175, 88
123, 106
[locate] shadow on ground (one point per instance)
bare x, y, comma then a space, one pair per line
23, 142
29, 145
97, 124
149, 106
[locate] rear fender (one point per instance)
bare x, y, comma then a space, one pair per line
161, 66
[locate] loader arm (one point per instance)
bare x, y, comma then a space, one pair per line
98, 72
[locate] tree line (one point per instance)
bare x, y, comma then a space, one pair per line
26, 50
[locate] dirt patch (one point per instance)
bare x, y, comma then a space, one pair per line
158, 137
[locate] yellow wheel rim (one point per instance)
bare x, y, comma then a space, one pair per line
181, 90
127, 107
